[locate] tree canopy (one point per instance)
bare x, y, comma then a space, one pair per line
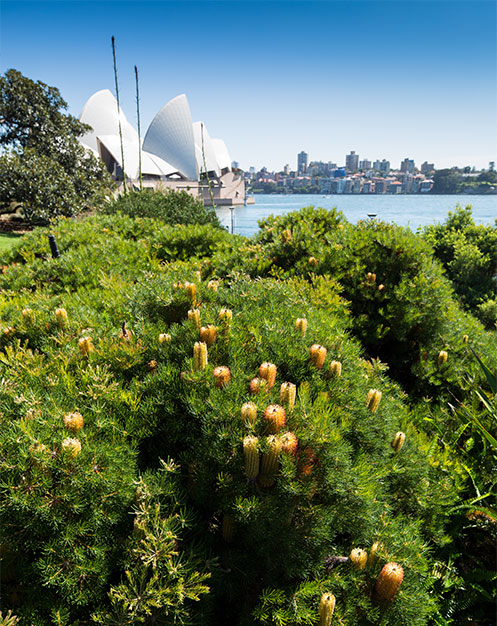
43, 167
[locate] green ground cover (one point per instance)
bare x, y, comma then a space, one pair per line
176, 447
7, 240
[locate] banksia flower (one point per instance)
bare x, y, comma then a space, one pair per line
208, 334
289, 443
312, 261
398, 441
286, 236
335, 369
125, 334
301, 326
85, 345
199, 355
73, 421
373, 400
71, 446
164, 338
442, 357
228, 528
270, 459
288, 391
358, 558
381, 287
10, 330
213, 285
152, 365
191, 290
194, 316
371, 278
249, 414
225, 315
28, 316
268, 372
251, 456
256, 385
275, 417
374, 553
318, 355
465, 338
222, 376
388, 582
61, 318
326, 608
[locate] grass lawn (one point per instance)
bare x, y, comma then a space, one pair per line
7, 240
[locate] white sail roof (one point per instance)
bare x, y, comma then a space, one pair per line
202, 139
222, 154
170, 137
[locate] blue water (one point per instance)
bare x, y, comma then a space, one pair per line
412, 211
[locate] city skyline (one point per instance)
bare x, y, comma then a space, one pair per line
391, 79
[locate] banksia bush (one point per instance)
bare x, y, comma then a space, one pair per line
257, 385
373, 400
388, 583
73, 421
326, 609
301, 325
358, 558
71, 446
289, 443
164, 338
442, 357
267, 371
222, 376
199, 355
208, 334
85, 346
335, 369
61, 318
194, 316
398, 441
275, 417
249, 413
318, 355
251, 456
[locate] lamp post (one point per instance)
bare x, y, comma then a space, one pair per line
232, 210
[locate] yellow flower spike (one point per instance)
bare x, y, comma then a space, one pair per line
225, 315
270, 459
249, 413
373, 400
465, 338
71, 446
28, 316
208, 334
213, 285
251, 456
73, 421
335, 369
301, 325
267, 371
194, 316
191, 290
358, 558
164, 338
374, 553
199, 355
442, 357
398, 441
85, 346
288, 392
318, 355
326, 609
286, 236
61, 318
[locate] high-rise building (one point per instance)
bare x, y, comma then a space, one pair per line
407, 165
365, 164
302, 158
384, 166
427, 168
352, 162
286, 169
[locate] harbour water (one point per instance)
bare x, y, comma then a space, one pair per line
413, 211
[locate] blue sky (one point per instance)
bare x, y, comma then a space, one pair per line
390, 79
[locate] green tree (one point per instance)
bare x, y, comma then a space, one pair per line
44, 168
446, 181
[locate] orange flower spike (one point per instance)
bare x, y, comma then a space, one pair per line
275, 417
222, 376
388, 582
268, 372
208, 334
318, 355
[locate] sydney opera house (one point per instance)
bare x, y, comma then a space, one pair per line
176, 153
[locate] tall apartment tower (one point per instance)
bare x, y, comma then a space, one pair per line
407, 165
302, 158
352, 162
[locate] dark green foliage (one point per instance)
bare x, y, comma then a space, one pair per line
155, 520
468, 253
45, 170
171, 207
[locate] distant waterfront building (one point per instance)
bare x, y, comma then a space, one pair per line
407, 165
427, 168
368, 187
286, 169
383, 166
352, 162
235, 165
365, 164
426, 186
302, 159
251, 169
380, 185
